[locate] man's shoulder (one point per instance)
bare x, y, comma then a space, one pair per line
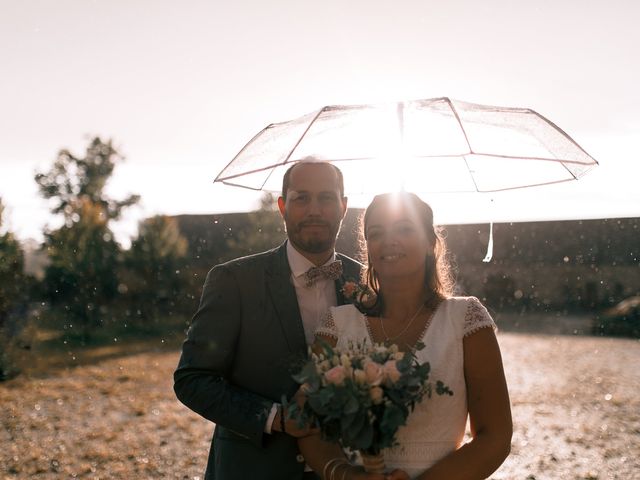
252, 261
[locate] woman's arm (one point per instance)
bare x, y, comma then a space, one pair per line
489, 413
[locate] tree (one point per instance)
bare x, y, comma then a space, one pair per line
82, 276
73, 181
154, 277
12, 297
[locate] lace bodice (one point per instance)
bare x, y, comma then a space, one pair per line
437, 426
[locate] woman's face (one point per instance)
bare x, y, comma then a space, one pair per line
397, 242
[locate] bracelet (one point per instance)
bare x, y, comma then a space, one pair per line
282, 420
339, 461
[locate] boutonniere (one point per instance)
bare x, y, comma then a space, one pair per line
358, 293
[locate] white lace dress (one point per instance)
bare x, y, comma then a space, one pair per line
437, 425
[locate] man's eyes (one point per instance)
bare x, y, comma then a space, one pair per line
324, 198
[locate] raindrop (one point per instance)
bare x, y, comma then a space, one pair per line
37, 407
566, 259
59, 401
155, 411
608, 397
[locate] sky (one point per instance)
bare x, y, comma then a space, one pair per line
180, 87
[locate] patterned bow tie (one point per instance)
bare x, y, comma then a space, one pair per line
332, 271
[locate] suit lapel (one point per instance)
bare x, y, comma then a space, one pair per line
283, 297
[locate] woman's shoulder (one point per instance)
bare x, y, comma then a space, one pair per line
470, 313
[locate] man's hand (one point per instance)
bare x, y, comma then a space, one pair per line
291, 426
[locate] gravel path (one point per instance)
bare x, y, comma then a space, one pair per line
576, 410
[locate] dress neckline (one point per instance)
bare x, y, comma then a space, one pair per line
422, 333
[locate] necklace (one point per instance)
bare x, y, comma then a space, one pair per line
404, 330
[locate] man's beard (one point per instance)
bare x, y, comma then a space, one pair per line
312, 244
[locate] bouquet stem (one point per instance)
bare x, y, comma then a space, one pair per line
373, 463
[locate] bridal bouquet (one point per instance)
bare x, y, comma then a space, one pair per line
360, 396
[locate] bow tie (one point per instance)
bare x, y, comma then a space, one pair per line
331, 271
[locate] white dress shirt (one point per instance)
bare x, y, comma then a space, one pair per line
314, 301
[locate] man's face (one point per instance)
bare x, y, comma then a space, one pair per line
314, 209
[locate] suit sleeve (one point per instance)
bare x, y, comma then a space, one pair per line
201, 379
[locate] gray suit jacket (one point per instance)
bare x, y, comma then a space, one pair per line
245, 342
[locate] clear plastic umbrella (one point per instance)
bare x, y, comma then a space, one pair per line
431, 146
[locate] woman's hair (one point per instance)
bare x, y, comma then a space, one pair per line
437, 276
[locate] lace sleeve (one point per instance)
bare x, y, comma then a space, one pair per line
476, 317
328, 327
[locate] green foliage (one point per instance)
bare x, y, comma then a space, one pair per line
12, 298
154, 279
82, 275
11, 272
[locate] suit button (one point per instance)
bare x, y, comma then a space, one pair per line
300, 458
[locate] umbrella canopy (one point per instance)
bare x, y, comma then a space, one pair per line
435, 145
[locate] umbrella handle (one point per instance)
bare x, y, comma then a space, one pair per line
489, 255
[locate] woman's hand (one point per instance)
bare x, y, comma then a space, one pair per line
358, 473
397, 474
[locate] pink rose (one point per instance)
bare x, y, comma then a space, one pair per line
377, 395
391, 371
374, 373
349, 289
336, 375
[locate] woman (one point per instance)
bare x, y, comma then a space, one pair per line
407, 271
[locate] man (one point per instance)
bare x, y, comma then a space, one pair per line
256, 318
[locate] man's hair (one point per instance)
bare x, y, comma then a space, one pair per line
310, 160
